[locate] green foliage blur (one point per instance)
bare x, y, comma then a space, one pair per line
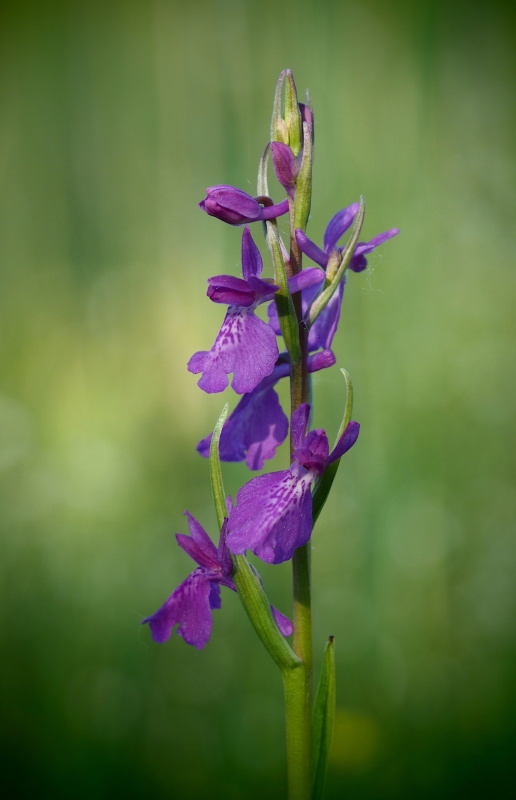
115, 117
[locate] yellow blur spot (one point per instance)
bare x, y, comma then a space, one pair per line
355, 743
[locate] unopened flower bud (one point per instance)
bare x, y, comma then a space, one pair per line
285, 164
286, 124
236, 207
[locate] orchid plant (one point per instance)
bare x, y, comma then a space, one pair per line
274, 513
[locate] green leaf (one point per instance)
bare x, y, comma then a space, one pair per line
324, 718
324, 483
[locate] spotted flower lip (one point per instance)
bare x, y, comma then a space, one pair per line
236, 207
336, 228
245, 345
273, 512
190, 605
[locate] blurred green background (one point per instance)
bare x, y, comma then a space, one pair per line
115, 117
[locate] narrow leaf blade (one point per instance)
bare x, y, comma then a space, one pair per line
324, 718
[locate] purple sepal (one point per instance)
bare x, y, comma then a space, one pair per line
238, 292
231, 291
346, 441
252, 263
310, 249
338, 225
236, 207
245, 346
359, 262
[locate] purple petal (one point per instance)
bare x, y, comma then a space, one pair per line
198, 545
321, 360
298, 425
338, 225
253, 431
346, 441
325, 326
273, 515
310, 249
263, 290
283, 622
230, 290
190, 608
252, 263
359, 261
380, 238
197, 553
310, 276
245, 346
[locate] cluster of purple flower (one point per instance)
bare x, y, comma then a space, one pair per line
273, 512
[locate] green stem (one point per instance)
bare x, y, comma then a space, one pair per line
298, 682
299, 745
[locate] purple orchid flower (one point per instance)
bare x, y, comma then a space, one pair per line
237, 207
191, 604
245, 344
273, 513
258, 425
336, 227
